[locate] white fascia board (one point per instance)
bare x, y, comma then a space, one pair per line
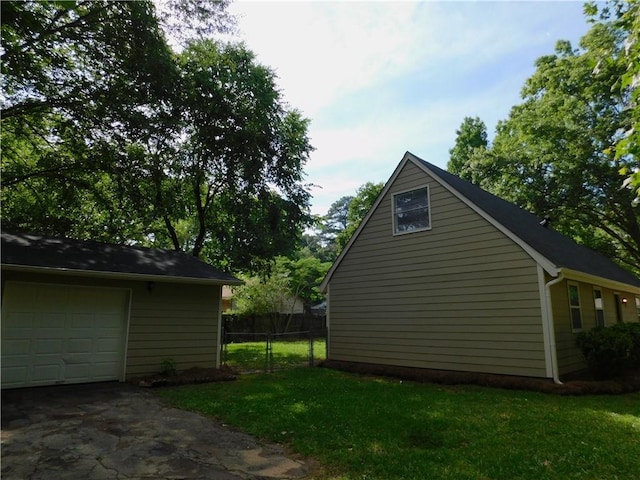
546, 264
118, 275
387, 186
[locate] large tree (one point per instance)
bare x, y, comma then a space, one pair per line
552, 156
626, 16
229, 186
471, 136
359, 206
78, 80
194, 151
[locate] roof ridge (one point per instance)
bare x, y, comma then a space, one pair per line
557, 248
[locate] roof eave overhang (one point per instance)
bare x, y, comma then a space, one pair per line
599, 281
119, 275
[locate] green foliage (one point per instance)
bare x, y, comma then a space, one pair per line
363, 427
276, 291
74, 92
194, 151
359, 206
612, 350
552, 156
168, 367
471, 135
625, 15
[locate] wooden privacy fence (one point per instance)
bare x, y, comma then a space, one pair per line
252, 325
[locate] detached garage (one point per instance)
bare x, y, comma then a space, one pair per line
76, 311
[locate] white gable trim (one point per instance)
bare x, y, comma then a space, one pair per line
547, 265
387, 186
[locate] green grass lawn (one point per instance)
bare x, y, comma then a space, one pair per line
369, 428
251, 356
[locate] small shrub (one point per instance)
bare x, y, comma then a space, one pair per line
168, 367
611, 351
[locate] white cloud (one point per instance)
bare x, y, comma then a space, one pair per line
379, 78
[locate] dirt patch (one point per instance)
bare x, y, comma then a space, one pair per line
628, 383
187, 377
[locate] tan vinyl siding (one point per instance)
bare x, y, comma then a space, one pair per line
172, 321
461, 296
570, 358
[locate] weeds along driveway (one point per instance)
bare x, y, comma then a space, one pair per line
118, 431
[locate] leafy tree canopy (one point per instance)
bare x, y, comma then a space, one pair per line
359, 206
108, 134
274, 294
626, 17
471, 135
553, 155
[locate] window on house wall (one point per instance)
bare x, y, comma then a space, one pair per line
638, 307
574, 307
411, 211
598, 304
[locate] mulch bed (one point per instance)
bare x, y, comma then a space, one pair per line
579, 386
624, 384
187, 377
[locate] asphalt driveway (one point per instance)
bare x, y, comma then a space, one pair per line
118, 431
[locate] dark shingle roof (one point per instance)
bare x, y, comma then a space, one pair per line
555, 247
22, 250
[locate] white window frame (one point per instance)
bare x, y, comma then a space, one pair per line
599, 309
574, 307
394, 218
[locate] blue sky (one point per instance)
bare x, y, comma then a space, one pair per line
379, 78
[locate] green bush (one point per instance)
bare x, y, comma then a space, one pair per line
612, 350
168, 367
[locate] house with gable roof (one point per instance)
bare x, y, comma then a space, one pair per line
444, 275
77, 311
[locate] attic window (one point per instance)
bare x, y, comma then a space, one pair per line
411, 211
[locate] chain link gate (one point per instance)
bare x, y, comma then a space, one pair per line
244, 352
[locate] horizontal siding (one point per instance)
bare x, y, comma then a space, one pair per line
461, 296
177, 322
570, 358
173, 321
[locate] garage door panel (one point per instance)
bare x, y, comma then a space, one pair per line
50, 320
107, 345
46, 374
17, 347
44, 346
79, 345
62, 334
13, 375
24, 319
78, 372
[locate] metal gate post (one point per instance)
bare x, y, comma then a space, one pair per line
311, 360
223, 347
269, 354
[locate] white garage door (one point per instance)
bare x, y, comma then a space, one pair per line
62, 334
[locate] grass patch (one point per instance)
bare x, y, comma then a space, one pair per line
370, 428
252, 356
